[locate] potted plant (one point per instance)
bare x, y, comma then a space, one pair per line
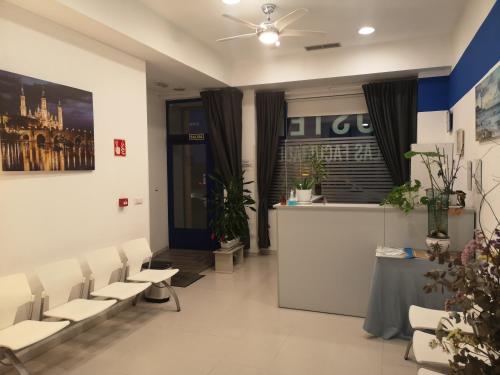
303, 189
437, 197
405, 197
473, 279
318, 169
229, 219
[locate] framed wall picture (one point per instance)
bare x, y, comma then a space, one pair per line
44, 126
488, 107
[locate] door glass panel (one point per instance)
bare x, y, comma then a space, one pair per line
189, 186
186, 118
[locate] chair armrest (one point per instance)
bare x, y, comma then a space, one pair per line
82, 286
124, 272
31, 308
43, 296
91, 285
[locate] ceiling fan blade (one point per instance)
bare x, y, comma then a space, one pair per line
290, 18
249, 24
292, 32
241, 36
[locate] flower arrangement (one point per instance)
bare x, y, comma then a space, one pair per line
474, 280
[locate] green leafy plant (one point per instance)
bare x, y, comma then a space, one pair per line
406, 197
228, 205
318, 168
305, 183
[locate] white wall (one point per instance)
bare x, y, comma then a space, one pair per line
157, 151
464, 117
51, 216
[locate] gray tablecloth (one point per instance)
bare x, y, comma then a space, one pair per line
396, 285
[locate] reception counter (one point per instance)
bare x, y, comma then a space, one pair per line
326, 252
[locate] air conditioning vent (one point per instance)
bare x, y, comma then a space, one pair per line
322, 46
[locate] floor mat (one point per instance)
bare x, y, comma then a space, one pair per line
184, 279
194, 261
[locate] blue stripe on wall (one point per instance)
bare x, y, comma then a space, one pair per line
479, 57
433, 94
482, 54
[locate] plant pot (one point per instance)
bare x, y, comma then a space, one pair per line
229, 244
437, 215
317, 189
444, 243
304, 195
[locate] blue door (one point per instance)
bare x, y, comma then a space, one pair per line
189, 165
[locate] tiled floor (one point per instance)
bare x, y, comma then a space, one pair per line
229, 325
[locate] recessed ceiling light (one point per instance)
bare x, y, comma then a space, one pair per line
230, 2
278, 43
366, 30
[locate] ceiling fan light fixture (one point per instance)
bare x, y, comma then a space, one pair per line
230, 2
366, 30
269, 36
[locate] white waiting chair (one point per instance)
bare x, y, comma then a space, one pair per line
17, 330
103, 263
425, 319
61, 281
424, 371
427, 356
137, 252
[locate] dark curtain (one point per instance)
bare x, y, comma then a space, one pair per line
393, 112
223, 111
270, 107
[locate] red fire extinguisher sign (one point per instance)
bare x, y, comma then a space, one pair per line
120, 147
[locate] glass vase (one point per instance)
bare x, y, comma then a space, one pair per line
437, 214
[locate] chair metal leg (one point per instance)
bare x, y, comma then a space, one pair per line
408, 347
15, 362
172, 293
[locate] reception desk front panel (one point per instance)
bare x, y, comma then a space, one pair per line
326, 252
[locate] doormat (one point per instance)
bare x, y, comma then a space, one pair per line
183, 279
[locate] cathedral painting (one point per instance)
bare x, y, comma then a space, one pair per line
44, 126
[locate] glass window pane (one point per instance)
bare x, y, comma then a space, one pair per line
186, 118
189, 186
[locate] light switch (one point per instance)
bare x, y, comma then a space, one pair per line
138, 201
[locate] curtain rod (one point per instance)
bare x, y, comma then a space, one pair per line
322, 96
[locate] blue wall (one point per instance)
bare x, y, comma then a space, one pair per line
482, 53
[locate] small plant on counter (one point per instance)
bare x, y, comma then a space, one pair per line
318, 168
405, 197
305, 183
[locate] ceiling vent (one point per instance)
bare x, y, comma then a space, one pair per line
322, 46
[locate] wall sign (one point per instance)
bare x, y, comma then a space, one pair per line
196, 136
120, 147
336, 126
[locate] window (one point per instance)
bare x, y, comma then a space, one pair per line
356, 170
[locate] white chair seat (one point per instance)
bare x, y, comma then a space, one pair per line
424, 371
153, 276
428, 319
79, 309
425, 355
121, 291
28, 332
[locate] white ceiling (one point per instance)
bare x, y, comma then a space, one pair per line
393, 19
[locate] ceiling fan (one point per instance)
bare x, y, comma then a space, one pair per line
268, 31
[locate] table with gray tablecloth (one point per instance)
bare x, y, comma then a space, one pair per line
396, 285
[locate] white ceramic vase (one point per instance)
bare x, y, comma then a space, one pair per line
304, 195
229, 244
444, 243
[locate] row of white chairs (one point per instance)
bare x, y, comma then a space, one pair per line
60, 282
424, 321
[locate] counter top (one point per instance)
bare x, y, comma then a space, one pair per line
323, 206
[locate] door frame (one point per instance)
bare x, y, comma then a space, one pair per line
183, 238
